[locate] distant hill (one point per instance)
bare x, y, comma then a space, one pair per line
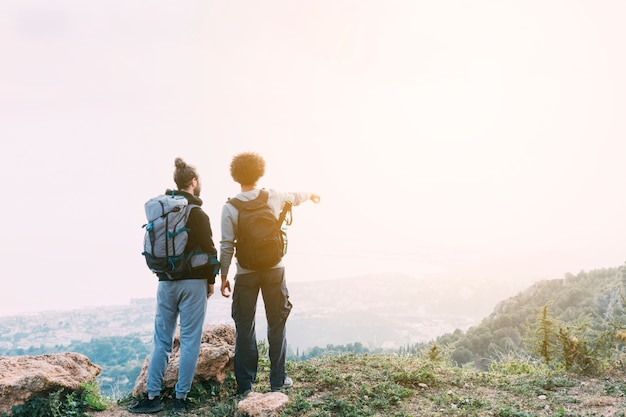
376, 310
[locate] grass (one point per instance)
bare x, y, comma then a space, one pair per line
409, 386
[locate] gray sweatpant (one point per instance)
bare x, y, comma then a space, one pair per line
185, 299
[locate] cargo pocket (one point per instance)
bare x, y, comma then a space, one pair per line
286, 305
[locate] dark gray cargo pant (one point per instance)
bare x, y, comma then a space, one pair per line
277, 307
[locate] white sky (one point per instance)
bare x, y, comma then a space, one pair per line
474, 140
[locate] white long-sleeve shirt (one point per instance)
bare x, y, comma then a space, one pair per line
276, 200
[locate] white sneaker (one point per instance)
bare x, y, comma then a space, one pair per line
288, 383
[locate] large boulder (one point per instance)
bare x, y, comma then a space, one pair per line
262, 405
217, 352
25, 377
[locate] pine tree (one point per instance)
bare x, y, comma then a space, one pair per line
541, 335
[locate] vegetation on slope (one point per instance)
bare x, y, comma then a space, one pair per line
587, 308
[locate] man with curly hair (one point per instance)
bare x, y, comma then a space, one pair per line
246, 169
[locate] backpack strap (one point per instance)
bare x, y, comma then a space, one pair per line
185, 228
239, 204
263, 195
286, 215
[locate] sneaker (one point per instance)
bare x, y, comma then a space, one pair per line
179, 405
245, 392
288, 383
147, 406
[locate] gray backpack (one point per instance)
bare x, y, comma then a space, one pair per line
166, 237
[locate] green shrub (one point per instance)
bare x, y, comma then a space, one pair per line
55, 404
62, 403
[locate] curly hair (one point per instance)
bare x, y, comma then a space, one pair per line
184, 173
246, 168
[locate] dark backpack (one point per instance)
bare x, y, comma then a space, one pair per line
260, 242
166, 238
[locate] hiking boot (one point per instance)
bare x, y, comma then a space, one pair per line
288, 383
147, 406
179, 405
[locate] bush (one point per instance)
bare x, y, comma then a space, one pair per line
62, 403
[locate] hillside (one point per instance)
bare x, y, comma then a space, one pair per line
588, 308
374, 311
501, 375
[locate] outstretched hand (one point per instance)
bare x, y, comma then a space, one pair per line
315, 198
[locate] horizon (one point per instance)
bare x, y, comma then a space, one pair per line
460, 142
507, 290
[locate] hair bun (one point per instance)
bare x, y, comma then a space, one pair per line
179, 163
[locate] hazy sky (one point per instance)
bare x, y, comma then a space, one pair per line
462, 139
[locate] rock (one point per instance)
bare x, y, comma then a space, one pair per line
24, 377
262, 405
217, 351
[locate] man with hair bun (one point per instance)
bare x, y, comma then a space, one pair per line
246, 169
184, 298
